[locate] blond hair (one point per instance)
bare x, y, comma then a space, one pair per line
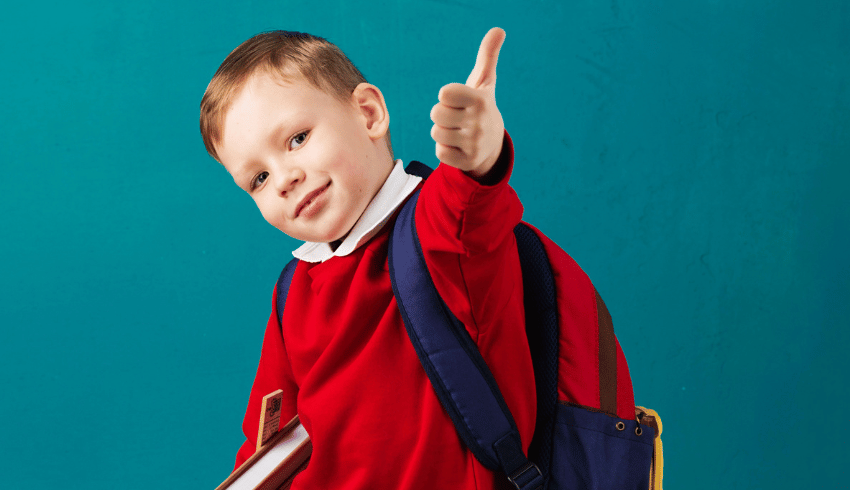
286, 54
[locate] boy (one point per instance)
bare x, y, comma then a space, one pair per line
300, 130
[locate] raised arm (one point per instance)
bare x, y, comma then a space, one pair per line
468, 127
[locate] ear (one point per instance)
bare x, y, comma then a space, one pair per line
369, 102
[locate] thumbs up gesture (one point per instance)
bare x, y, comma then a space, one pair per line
468, 127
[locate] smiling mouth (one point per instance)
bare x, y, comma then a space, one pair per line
309, 198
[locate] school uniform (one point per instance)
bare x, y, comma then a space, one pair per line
346, 364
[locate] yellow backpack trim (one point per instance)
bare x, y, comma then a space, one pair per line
650, 417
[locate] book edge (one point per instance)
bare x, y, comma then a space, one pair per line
282, 432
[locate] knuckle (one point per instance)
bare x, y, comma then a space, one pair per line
471, 152
442, 153
475, 135
445, 92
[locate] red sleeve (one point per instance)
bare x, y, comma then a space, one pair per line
465, 228
273, 373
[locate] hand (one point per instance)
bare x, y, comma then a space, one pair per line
468, 127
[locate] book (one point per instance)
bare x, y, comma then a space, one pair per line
282, 453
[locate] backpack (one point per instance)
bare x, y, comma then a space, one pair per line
588, 432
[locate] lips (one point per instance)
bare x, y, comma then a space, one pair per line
309, 198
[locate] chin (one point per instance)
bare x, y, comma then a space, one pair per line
322, 237
321, 234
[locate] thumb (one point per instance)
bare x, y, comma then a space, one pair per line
484, 72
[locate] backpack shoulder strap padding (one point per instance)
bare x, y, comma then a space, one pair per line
460, 377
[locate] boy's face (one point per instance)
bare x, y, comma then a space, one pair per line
311, 162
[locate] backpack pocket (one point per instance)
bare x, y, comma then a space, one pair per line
593, 450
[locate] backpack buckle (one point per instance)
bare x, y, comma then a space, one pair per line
528, 477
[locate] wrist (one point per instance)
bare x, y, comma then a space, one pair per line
493, 170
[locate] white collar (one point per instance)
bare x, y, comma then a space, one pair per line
395, 190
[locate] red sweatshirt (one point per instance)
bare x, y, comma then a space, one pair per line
346, 364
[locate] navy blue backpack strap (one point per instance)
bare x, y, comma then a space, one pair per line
542, 329
419, 169
460, 377
282, 288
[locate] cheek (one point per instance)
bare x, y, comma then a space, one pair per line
269, 212
343, 163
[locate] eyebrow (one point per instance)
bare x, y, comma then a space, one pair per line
275, 133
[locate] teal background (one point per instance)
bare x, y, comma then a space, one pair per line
691, 156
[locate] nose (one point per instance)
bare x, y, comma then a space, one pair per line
287, 178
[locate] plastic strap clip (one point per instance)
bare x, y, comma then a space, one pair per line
527, 478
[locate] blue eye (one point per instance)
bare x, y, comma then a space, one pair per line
298, 139
259, 179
